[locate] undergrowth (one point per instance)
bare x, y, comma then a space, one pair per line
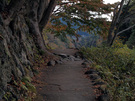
116, 66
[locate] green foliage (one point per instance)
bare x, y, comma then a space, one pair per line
38, 58
7, 95
26, 78
30, 87
118, 43
23, 86
85, 15
117, 68
127, 13
131, 40
26, 84
89, 41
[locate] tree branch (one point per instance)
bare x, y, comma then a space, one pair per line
125, 30
47, 14
119, 12
43, 4
114, 22
116, 34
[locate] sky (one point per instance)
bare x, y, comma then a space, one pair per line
105, 1
111, 1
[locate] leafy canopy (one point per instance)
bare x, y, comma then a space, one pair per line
72, 16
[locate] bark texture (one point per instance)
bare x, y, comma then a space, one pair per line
20, 37
115, 21
119, 19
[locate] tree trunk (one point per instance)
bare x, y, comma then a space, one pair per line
114, 23
46, 14
38, 17
119, 18
21, 25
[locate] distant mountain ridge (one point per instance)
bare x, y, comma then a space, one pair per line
82, 33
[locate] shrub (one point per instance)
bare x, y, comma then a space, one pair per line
131, 40
117, 68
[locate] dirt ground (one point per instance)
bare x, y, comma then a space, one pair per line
64, 82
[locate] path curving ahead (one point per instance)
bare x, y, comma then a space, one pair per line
65, 82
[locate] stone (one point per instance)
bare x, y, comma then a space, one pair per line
84, 63
66, 59
88, 61
78, 54
103, 97
77, 59
70, 57
86, 66
99, 82
51, 63
63, 55
58, 62
91, 71
94, 76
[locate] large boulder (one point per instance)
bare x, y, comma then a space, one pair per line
16, 52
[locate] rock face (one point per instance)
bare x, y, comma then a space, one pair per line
21, 26
16, 51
